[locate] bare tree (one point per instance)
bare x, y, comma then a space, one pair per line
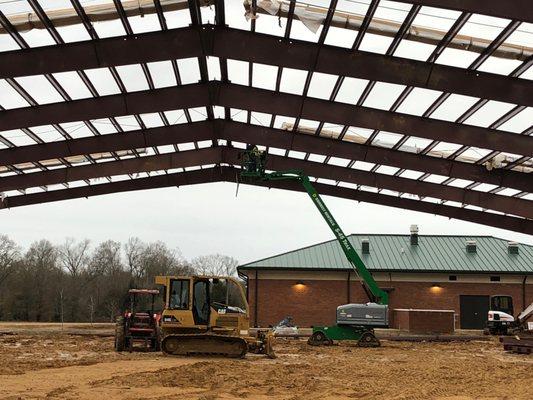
134, 250
158, 259
215, 264
91, 307
74, 256
9, 254
106, 259
41, 277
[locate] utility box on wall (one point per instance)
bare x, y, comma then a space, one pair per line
424, 321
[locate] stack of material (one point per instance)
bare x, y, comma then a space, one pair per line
522, 344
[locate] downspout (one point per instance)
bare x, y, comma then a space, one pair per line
524, 293
348, 287
256, 298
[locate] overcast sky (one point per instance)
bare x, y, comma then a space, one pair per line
259, 222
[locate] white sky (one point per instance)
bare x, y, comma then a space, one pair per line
208, 218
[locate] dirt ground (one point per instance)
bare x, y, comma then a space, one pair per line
54, 364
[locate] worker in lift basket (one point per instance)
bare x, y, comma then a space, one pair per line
253, 155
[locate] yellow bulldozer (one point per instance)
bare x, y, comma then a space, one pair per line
208, 315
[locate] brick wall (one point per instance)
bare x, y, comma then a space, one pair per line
315, 302
417, 321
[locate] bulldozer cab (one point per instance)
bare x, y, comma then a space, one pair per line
200, 300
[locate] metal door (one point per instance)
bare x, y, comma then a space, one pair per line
200, 306
474, 311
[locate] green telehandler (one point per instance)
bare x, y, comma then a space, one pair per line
353, 321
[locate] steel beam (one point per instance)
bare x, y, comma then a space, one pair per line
228, 174
137, 139
505, 204
270, 137
266, 101
243, 97
159, 162
186, 96
515, 9
290, 140
228, 43
230, 155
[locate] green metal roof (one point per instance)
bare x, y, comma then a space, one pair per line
395, 253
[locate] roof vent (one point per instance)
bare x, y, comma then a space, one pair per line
414, 235
365, 246
512, 247
471, 246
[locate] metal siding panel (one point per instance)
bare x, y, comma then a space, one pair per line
434, 253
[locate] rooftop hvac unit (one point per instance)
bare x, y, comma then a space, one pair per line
471, 246
365, 245
512, 247
414, 235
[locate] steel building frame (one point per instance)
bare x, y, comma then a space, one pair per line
494, 188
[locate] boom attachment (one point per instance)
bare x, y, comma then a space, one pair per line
254, 168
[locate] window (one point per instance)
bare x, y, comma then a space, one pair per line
227, 295
452, 277
179, 294
494, 278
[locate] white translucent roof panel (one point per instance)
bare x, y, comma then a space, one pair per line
73, 85
40, 89
489, 113
189, 70
453, 107
293, 80
133, 77
103, 81
152, 120
213, 68
262, 119
351, 89
177, 19
162, 74
519, 122
322, 85
9, 98
418, 101
264, 76
104, 126
238, 115
383, 95
144, 23
238, 72
483, 26
109, 28
175, 116
282, 122
73, 33
340, 37
500, 66
375, 43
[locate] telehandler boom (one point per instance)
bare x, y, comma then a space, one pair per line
354, 321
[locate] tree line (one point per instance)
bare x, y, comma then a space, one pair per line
77, 282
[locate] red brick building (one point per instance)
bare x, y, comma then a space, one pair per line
456, 273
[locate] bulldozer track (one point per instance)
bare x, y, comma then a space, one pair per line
204, 345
